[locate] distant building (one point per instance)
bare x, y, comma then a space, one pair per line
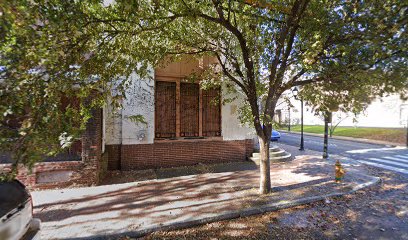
390, 112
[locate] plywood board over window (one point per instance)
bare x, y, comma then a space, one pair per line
211, 112
189, 110
165, 102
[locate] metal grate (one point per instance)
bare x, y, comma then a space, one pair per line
211, 112
165, 114
189, 110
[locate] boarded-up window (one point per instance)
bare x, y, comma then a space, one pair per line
165, 109
189, 100
211, 112
74, 103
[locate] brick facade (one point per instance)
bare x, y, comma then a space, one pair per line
73, 168
177, 153
92, 147
161, 154
114, 156
68, 173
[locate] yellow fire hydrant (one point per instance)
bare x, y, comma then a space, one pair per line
339, 171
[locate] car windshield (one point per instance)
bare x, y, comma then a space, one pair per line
12, 194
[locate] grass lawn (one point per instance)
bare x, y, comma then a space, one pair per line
396, 135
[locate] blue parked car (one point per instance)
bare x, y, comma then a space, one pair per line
275, 135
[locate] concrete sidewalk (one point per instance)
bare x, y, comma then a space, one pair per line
137, 208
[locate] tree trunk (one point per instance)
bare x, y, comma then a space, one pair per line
326, 140
264, 164
331, 130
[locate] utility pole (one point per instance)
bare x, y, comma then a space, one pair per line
295, 92
289, 119
327, 119
406, 127
302, 144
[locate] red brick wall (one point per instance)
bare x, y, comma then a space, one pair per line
113, 152
78, 176
178, 153
82, 173
92, 147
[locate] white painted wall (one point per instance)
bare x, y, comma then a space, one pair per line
231, 127
104, 112
140, 101
120, 129
390, 112
384, 112
113, 128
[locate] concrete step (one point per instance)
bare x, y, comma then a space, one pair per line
283, 158
256, 155
278, 153
274, 148
272, 152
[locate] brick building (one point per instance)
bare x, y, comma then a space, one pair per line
84, 167
181, 125
184, 125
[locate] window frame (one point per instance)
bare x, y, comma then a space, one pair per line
178, 81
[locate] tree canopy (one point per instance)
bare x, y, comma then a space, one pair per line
343, 54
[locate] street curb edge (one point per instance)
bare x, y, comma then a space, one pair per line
243, 213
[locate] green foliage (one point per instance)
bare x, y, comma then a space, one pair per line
138, 119
6, 177
344, 53
245, 114
367, 60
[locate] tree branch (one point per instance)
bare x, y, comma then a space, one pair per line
229, 75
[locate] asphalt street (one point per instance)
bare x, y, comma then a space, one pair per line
382, 156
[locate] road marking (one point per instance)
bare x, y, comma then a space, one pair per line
390, 162
311, 142
402, 156
401, 170
398, 159
375, 150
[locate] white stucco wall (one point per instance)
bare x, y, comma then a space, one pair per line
231, 127
389, 111
139, 101
120, 129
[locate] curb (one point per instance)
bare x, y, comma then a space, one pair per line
237, 214
360, 140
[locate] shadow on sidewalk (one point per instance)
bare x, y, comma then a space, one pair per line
115, 177
149, 205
